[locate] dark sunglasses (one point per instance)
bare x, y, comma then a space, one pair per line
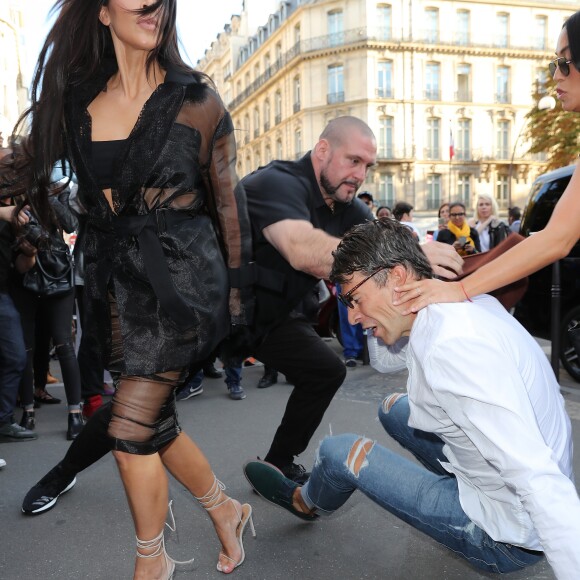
562, 64
457, 214
347, 299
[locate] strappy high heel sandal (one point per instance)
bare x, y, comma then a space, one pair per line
157, 544
214, 499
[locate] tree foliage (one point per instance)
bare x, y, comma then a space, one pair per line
553, 131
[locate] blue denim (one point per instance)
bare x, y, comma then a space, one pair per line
427, 497
12, 356
233, 375
352, 336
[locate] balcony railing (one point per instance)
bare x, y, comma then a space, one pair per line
432, 95
503, 97
333, 98
384, 92
388, 152
432, 153
371, 35
463, 97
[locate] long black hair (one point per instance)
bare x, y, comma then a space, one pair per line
572, 26
73, 52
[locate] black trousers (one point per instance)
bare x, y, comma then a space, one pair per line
57, 313
294, 349
316, 372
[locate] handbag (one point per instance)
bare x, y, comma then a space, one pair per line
510, 294
52, 273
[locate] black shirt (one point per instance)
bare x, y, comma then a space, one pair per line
289, 190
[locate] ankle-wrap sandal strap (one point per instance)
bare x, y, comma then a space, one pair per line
157, 544
215, 497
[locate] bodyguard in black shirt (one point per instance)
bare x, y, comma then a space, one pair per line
298, 212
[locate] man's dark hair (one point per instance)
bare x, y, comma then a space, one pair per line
365, 195
373, 245
401, 208
515, 213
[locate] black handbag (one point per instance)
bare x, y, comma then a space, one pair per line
52, 274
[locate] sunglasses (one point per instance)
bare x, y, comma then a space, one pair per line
559, 63
347, 299
457, 214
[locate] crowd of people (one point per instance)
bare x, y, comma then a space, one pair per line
179, 260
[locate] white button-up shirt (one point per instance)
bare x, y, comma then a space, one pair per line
481, 383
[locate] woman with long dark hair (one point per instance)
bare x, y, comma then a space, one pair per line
562, 231
153, 150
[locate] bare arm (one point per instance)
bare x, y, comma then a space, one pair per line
554, 242
304, 247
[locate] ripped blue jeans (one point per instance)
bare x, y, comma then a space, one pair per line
426, 497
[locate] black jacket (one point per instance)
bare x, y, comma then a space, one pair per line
158, 252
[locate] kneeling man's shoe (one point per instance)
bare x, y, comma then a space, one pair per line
270, 483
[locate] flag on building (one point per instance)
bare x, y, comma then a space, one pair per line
451, 145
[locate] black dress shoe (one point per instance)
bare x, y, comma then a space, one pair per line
268, 379
28, 420
211, 372
75, 425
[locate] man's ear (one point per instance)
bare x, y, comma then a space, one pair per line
399, 275
321, 149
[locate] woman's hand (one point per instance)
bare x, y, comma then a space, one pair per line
420, 293
444, 260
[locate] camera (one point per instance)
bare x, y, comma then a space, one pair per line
33, 232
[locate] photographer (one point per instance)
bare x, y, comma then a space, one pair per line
43, 285
459, 234
12, 351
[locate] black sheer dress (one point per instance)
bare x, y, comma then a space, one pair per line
176, 231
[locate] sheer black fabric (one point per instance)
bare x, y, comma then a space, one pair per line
179, 157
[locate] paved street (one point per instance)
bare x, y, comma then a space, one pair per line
89, 534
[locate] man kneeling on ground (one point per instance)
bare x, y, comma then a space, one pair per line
483, 414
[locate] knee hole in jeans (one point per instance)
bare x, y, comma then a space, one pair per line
357, 456
389, 401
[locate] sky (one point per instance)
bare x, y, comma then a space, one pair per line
198, 28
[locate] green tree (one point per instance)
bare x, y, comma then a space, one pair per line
553, 131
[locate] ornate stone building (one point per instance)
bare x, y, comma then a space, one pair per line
13, 92
429, 77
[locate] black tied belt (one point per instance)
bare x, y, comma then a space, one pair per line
147, 229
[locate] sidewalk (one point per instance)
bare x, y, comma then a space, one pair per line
89, 534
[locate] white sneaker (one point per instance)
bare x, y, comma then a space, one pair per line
2, 463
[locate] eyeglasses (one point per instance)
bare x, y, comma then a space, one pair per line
457, 214
347, 299
562, 64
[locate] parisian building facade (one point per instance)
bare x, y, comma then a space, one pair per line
445, 85
13, 90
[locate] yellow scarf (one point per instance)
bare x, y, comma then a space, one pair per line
464, 230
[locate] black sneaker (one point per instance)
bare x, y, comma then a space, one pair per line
44, 495
296, 473
188, 392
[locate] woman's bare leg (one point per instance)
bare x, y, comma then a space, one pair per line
187, 463
146, 486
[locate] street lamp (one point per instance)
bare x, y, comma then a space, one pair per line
545, 103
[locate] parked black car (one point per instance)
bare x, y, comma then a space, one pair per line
534, 309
